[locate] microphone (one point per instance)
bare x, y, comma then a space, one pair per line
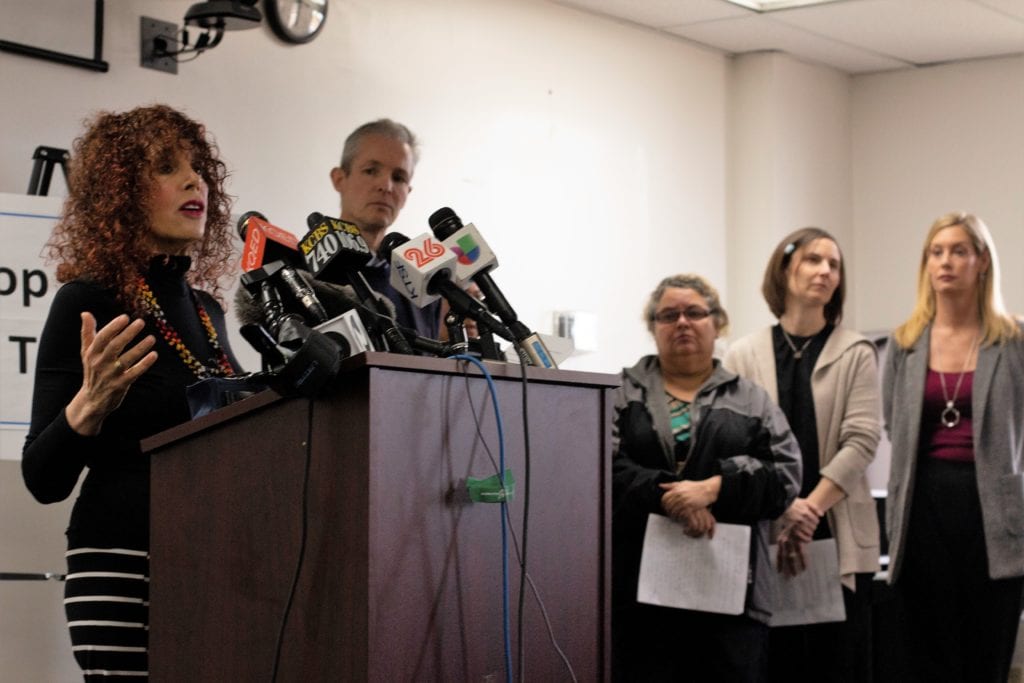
378, 318
265, 243
422, 270
346, 328
288, 329
473, 253
334, 250
477, 259
302, 361
432, 346
348, 332
337, 299
297, 289
303, 293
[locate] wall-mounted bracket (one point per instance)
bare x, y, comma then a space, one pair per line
157, 37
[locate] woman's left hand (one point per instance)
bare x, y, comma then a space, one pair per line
792, 557
697, 523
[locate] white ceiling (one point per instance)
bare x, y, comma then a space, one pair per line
855, 36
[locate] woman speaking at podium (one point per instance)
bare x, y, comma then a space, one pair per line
145, 223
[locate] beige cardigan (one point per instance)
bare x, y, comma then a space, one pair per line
846, 408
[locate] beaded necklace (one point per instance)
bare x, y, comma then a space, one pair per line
223, 365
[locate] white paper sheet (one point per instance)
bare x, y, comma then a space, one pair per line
709, 575
815, 595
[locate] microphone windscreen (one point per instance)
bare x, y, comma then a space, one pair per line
444, 222
389, 243
243, 222
247, 309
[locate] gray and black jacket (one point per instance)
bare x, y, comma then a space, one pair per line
737, 432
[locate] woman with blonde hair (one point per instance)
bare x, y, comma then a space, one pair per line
825, 379
953, 402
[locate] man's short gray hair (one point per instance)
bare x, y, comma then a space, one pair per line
385, 127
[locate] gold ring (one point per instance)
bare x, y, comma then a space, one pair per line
117, 364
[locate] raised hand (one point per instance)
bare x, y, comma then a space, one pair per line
109, 367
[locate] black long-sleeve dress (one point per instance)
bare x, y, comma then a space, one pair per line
106, 594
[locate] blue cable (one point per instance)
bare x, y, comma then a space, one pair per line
505, 616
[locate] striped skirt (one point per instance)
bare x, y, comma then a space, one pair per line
106, 600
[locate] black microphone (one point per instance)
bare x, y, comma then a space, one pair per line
303, 293
380, 318
337, 299
333, 248
266, 245
475, 260
422, 270
334, 251
301, 360
295, 286
287, 328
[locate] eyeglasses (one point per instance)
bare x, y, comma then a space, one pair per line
693, 314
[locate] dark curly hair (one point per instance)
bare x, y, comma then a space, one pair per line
103, 234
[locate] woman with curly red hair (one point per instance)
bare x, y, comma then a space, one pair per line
144, 226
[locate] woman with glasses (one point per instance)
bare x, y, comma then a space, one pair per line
825, 379
698, 444
953, 396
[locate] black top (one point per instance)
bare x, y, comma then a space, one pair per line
113, 508
793, 382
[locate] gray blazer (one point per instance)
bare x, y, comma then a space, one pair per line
997, 405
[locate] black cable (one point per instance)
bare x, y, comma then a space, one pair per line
302, 544
203, 43
523, 364
515, 540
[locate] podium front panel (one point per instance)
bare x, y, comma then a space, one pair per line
401, 572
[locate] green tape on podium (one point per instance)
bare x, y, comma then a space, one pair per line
489, 490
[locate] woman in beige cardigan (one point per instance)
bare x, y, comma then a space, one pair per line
825, 379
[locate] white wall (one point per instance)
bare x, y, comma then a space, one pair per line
590, 154
789, 167
925, 143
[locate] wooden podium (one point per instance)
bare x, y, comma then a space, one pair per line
401, 573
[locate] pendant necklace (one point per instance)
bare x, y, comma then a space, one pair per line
950, 416
797, 353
